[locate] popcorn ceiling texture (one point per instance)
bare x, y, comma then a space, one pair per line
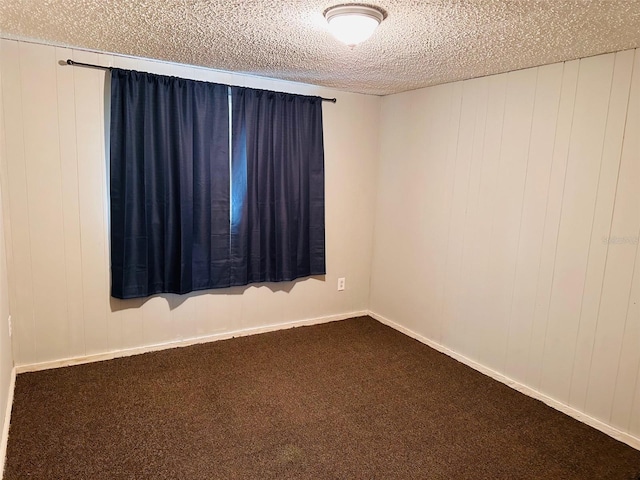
420, 43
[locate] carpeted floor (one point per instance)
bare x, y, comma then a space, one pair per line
345, 400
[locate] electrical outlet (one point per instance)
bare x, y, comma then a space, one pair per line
9, 320
341, 284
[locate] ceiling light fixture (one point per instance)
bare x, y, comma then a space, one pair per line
353, 24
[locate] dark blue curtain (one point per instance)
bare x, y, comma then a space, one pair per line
277, 212
186, 213
169, 185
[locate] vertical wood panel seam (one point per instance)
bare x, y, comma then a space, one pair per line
499, 163
464, 229
487, 91
555, 254
606, 257
7, 206
452, 191
64, 232
524, 190
75, 113
595, 205
105, 201
444, 266
635, 258
626, 317
6, 202
26, 186
484, 141
636, 397
546, 211
466, 206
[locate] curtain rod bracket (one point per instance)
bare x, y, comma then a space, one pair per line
90, 65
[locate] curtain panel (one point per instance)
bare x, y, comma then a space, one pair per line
278, 230
169, 184
196, 205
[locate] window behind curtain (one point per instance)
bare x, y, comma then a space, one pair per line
186, 214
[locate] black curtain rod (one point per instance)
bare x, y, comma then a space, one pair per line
90, 65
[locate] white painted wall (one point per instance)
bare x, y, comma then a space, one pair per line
507, 224
6, 354
58, 208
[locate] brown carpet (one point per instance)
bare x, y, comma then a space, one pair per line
345, 400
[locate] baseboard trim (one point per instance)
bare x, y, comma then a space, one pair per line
66, 362
522, 388
7, 422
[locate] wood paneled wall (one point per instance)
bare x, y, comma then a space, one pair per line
57, 215
6, 354
507, 219
507, 227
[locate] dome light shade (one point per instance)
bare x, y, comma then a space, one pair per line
353, 24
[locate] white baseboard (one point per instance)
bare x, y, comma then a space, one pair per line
572, 412
522, 388
65, 362
7, 421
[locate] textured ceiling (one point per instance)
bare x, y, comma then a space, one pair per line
417, 45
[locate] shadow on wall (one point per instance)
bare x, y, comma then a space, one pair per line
176, 300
